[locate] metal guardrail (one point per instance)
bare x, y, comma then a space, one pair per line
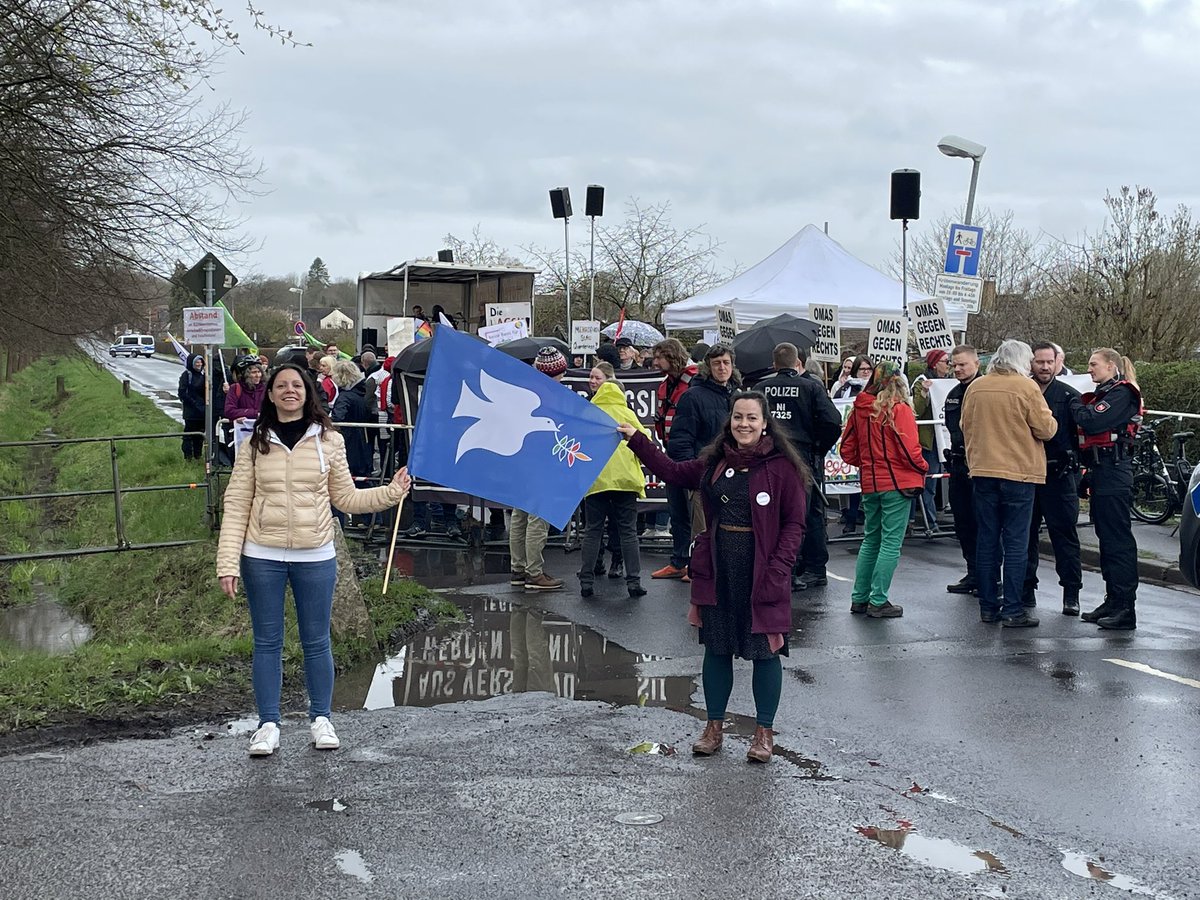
117, 491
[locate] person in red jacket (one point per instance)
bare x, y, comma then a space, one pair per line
881, 438
754, 486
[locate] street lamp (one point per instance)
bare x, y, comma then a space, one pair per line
953, 145
300, 291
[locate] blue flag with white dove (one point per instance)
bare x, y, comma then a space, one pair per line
494, 427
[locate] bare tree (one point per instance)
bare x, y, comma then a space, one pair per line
478, 250
112, 166
1135, 286
643, 263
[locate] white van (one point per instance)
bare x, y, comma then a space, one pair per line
133, 345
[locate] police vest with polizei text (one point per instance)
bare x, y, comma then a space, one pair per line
1108, 439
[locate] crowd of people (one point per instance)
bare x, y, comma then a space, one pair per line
743, 466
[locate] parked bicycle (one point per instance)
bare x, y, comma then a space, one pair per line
1159, 484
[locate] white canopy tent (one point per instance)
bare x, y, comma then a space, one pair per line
810, 268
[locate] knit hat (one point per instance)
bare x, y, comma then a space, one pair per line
933, 357
550, 361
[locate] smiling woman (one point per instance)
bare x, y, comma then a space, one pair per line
278, 530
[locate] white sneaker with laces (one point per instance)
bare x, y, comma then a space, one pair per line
265, 741
323, 735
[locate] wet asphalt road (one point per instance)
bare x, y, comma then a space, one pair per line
930, 756
157, 377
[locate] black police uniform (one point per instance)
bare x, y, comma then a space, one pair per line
802, 408
1104, 419
961, 492
1057, 501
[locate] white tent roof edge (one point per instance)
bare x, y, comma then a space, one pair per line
810, 267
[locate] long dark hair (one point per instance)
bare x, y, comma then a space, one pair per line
716, 450
268, 416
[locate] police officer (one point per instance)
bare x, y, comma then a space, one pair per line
1057, 501
801, 406
1107, 420
964, 362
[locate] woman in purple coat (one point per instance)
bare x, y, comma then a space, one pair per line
754, 485
245, 396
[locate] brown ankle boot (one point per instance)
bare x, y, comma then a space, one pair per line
710, 741
762, 746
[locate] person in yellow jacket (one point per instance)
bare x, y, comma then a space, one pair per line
615, 493
278, 529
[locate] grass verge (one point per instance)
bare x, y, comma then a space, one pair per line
166, 640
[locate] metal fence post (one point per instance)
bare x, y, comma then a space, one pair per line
121, 541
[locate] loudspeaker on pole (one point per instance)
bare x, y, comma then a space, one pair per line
560, 202
906, 194
595, 200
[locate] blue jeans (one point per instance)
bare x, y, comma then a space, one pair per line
1003, 510
928, 496
312, 586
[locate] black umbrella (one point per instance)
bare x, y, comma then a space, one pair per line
415, 357
526, 348
754, 348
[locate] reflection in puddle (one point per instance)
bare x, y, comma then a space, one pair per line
333, 804
1084, 867
247, 725
507, 648
351, 863
938, 852
44, 625
436, 565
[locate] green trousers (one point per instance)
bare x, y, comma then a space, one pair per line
886, 515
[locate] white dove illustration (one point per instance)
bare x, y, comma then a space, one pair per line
505, 414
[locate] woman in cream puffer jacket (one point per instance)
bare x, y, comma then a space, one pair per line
278, 529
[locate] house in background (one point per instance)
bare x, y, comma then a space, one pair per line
328, 318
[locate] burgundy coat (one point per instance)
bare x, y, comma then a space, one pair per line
244, 402
778, 531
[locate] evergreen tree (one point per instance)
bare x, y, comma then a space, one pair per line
179, 297
317, 280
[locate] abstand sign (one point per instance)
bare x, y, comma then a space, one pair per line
204, 325
828, 345
888, 339
930, 325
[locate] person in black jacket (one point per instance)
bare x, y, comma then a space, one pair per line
700, 416
801, 406
1057, 501
351, 405
964, 361
1107, 420
193, 395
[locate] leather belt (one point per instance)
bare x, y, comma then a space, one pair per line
740, 528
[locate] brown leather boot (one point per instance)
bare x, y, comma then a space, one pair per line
710, 741
762, 746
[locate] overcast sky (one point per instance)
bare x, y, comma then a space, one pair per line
408, 120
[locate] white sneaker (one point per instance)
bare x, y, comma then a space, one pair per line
265, 741
323, 735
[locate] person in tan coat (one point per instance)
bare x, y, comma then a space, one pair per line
1004, 421
278, 529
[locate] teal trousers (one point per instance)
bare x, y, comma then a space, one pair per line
886, 515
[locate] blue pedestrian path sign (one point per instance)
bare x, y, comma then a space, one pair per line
963, 249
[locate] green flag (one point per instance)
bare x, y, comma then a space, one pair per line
234, 336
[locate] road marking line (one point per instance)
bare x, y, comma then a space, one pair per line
836, 577
1142, 667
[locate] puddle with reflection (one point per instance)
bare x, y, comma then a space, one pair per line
44, 625
507, 648
441, 563
1085, 867
938, 852
350, 862
333, 804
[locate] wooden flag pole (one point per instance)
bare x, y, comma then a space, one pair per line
387, 565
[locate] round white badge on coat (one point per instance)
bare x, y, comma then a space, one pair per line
729, 473
763, 498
